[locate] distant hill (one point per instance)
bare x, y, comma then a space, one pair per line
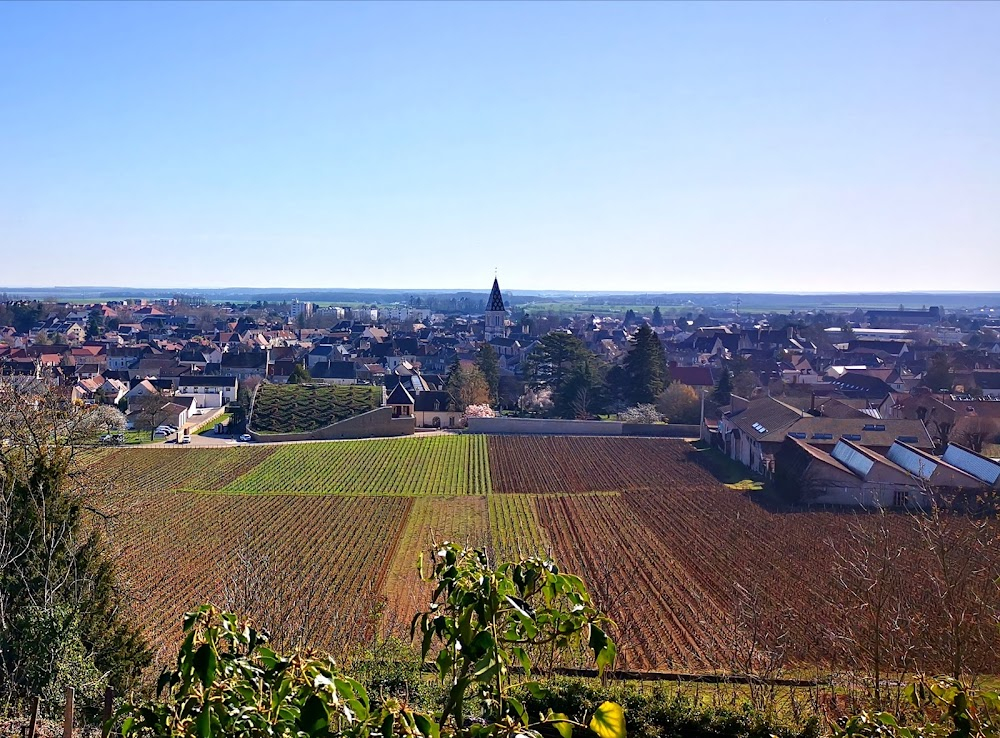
300, 408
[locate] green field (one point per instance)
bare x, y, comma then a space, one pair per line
439, 465
300, 408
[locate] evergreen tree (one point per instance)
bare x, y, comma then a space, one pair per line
657, 317
299, 375
61, 588
553, 359
723, 388
488, 363
93, 325
629, 317
614, 391
466, 386
580, 395
645, 367
938, 374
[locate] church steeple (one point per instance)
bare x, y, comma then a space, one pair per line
496, 299
496, 314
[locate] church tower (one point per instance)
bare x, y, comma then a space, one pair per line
496, 314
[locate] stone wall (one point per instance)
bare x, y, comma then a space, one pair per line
554, 427
377, 423
660, 430
544, 427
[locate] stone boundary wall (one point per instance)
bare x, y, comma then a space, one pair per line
660, 430
546, 427
377, 423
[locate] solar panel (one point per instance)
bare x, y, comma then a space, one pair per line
873, 427
797, 435
823, 436
852, 436
907, 439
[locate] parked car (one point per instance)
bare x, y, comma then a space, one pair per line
184, 439
246, 438
161, 433
113, 439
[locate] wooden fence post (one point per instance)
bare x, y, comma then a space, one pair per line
34, 717
108, 712
68, 713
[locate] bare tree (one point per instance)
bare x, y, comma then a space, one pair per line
148, 411
758, 637
974, 433
873, 631
961, 580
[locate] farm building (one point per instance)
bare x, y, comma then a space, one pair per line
436, 410
753, 431
849, 475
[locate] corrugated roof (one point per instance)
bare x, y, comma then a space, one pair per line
912, 460
972, 463
853, 459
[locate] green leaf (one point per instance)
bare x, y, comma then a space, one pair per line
425, 725
887, 719
205, 662
562, 723
203, 725
519, 710
608, 721
522, 656
313, 719
536, 690
604, 648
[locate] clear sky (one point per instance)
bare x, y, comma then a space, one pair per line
649, 146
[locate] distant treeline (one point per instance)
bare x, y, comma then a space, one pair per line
835, 301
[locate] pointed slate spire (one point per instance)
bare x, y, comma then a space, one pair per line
496, 299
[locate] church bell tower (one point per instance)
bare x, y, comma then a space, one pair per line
496, 314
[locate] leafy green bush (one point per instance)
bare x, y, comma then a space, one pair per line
938, 708
48, 655
228, 682
389, 668
487, 619
660, 712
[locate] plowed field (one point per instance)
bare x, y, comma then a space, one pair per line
317, 537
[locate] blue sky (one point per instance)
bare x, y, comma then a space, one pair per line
650, 146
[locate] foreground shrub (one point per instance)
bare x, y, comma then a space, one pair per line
937, 708
228, 682
660, 712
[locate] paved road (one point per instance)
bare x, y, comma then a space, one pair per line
210, 440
